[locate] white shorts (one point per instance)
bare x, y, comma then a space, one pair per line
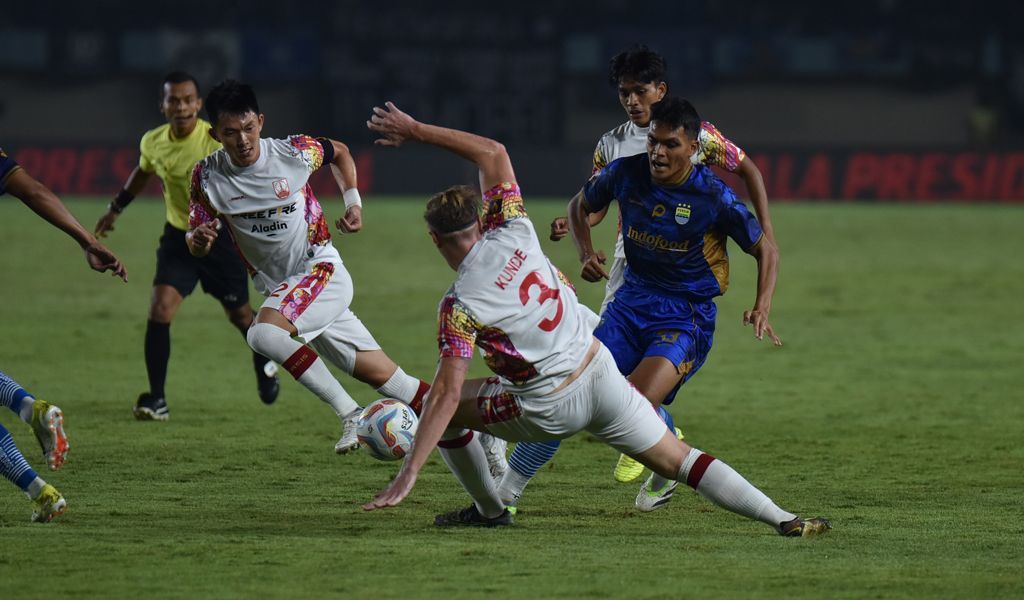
600, 401
616, 275
317, 304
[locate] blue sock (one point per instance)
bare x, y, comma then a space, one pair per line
528, 457
667, 418
12, 463
12, 395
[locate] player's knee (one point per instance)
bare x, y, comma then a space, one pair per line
164, 303
372, 367
161, 312
241, 317
264, 337
455, 437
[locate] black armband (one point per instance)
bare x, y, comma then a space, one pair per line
121, 201
328, 149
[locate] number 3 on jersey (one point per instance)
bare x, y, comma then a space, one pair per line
546, 293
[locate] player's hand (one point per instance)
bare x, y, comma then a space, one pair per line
106, 223
592, 269
352, 221
205, 235
759, 319
394, 493
394, 126
100, 259
559, 228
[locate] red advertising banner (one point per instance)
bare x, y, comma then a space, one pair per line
103, 170
925, 176
871, 175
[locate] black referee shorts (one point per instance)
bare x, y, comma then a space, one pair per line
221, 272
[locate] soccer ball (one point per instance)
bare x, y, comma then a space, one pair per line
386, 428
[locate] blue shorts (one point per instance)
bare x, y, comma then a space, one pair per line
638, 324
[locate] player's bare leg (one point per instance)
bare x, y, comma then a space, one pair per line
654, 377
164, 303
373, 368
672, 458
267, 383
376, 369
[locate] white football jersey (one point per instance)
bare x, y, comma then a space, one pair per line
511, 302
628, 139
275, 219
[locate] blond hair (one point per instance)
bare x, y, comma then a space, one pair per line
452, 210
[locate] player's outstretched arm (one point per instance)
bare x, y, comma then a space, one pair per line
343, 167
579, 225
767, 255
137, 182
395, 128
751, 177
445, 393
48, 206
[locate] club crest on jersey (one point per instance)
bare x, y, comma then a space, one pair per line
281, 188
683, 214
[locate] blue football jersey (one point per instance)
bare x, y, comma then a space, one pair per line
7, 166
674, 236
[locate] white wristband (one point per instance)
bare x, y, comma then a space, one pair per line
352, 198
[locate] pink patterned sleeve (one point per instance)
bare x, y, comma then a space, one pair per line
456, 328
310, 150
317, 231
502, 203
716, 150
600, 161
199, 208
561, 277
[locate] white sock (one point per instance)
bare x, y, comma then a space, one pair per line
721, 484
25, 411
35, 488
406, 388
511, 487
303, 363
462, 452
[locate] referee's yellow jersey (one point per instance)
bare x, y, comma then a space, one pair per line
172, 160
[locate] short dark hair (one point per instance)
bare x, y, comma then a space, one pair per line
677, 112
178, 77
638, 63
453, 210
232, 97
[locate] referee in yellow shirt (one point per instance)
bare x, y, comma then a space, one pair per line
170, 151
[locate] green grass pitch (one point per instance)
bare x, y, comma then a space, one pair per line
895, 408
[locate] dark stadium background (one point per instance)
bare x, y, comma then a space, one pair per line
890, 99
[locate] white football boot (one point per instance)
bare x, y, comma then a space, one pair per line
649, 500
495, 449
349, 438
